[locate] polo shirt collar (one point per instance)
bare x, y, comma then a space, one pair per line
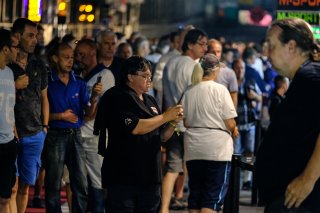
54, 76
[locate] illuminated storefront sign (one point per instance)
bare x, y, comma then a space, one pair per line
311, 18
308, 10
298, 5
34, 10
316, 32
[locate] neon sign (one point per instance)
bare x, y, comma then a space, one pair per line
311, 18
307, 10
316, 32
299, 4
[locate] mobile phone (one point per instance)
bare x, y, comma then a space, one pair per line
180, 99
99, 79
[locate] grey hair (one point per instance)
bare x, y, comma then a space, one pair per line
104, 33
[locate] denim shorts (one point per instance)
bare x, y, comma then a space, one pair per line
29, 157
208, 183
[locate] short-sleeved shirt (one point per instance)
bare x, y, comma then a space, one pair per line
28, 108
252, 75
129, 159
72, 96
108, 81
291, 138
157, 77
247, 114
206, 106
7, 102
228, 78
176, 79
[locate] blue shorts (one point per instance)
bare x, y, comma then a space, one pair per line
208, 183
29, 157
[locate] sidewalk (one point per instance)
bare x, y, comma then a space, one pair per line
245, 199
245, 207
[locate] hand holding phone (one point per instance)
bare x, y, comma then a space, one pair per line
99, 79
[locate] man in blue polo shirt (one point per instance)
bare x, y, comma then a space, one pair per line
68, 100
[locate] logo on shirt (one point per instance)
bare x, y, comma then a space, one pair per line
75, 95
127, 121
154, 110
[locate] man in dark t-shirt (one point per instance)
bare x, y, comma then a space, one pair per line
287, 163
31, 109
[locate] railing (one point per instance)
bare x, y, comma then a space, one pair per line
238, 163
231, 203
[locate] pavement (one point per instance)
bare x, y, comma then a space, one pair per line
245, 207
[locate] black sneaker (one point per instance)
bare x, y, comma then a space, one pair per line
37, 203
246, 186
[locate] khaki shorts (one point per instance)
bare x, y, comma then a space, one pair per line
175, 152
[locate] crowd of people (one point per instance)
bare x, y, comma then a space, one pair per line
129, 125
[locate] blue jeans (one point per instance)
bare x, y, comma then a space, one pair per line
61, 148
245, 142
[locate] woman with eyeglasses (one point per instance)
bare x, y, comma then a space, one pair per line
131, 170
209, 118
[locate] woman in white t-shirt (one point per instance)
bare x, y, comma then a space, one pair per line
209, 119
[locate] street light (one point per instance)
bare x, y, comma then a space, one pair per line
86, 13
62, 11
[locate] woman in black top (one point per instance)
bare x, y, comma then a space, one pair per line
131, 169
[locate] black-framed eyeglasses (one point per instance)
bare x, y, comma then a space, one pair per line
145, 77
202, 44
15, 46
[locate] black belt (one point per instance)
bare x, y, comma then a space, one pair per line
224, 130
65, 130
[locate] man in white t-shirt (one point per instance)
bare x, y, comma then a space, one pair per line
86, 51
176, 78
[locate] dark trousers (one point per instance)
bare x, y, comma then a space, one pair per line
277, 206
133, 199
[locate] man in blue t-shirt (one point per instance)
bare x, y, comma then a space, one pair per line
8, 145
